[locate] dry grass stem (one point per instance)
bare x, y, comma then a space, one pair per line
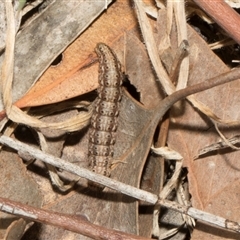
13, 112
55, 179
179, 12
219, 145
159, 69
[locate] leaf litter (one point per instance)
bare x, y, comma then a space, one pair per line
207, 193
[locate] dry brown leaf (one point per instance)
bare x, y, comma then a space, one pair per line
211, 177
139, 71
132, 148
34, 55
149, 182
16, 184
112, 209
135, 134
66, 80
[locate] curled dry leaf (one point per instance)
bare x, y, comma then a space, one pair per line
167, 153
76, 123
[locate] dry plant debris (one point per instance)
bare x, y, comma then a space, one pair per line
47, 57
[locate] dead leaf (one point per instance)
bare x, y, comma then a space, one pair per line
211, 176
65, 80
18, 186
16, 230
135, 133
140, 73
112, 209
51, 36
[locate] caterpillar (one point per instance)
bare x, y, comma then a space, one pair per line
103, 124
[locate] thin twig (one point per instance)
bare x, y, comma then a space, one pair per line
7, 65
223, 15
81, 172
69, 222
111, 183
180, 16
181, 53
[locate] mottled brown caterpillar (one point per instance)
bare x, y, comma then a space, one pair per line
105, 113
